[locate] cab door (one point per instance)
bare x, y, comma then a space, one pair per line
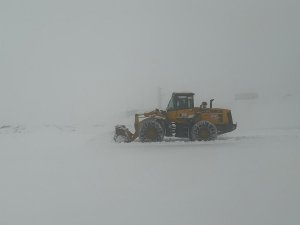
180, 109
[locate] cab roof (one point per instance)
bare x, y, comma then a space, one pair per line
183, 94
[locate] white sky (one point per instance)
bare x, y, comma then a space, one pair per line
77, 61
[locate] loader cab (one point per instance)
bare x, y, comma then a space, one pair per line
181, 101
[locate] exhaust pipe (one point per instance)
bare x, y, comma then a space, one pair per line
210, 104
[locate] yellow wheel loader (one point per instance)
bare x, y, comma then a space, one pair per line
181, 119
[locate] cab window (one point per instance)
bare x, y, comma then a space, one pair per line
171, 104
180, 102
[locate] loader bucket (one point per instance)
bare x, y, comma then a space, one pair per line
122, 134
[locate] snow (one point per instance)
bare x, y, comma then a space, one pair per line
99, 62
77, 175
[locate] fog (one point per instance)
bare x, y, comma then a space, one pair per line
71, 70
84, 61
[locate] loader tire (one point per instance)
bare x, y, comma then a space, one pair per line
203, 131
151, 131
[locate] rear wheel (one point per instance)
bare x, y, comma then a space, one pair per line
204, 131
151, 131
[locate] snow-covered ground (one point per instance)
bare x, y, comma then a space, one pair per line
68, 175
100, 62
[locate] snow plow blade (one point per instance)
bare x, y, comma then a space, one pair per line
122, 134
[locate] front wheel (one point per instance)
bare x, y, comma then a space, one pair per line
151, 131
204, 131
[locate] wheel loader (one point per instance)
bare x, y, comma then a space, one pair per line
181, 119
